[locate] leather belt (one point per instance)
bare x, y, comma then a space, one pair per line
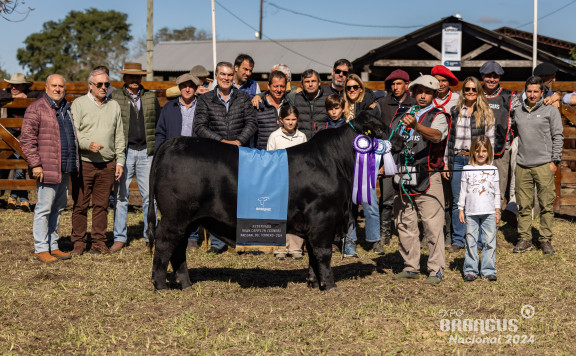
463, 153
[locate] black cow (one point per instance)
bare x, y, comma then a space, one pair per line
195, 182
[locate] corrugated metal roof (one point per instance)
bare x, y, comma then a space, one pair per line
299, 54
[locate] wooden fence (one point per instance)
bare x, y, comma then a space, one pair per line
565, 178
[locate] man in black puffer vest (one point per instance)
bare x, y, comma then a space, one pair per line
140, 111
310, 103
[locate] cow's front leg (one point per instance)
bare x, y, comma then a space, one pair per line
164, 247
178, 261
312, 278
325, 275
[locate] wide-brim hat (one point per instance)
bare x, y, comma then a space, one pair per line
199, 71
187, 77
133, 68
446, 73
427, 81
18, 78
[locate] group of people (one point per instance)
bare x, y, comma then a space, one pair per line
461, 151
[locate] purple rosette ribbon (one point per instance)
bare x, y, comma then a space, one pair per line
364, 168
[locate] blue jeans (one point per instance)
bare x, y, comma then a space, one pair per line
51, 201
214, 241
487, 225
19, 174
458, 229
137, 162
372, 215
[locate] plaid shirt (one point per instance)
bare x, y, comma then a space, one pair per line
463, 132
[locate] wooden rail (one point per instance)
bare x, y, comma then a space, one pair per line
565, 180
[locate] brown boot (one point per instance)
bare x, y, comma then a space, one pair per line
25, 206
117, 246
45, 257
78, 250
12, 203
61, 255
99, 249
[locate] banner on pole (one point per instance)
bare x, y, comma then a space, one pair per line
452, 46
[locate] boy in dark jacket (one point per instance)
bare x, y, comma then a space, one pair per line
335, 108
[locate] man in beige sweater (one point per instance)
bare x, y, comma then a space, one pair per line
101, 145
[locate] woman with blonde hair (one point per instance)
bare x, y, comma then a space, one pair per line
357, 97
471, 117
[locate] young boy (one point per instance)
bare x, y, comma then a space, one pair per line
335, 109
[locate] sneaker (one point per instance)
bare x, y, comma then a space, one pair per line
45, 257
12, 203
522, 246
377, 248
61, 255
547, 248
296, 256
491, 277
350, 250
434, 279
193, 245
455, 248
25, 206
469, 277
407, 275
280, 256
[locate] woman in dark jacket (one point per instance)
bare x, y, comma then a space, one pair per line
357, 97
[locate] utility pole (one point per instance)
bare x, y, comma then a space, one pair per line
261, 7
150, 42
214, 38
535, 37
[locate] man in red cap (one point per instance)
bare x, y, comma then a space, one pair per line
397, 102
445, 98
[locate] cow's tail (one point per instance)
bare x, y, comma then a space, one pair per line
152, 203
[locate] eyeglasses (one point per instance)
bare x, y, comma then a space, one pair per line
352, 87
338, 71
470, 89
99, 85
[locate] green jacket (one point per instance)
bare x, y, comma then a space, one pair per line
150, 108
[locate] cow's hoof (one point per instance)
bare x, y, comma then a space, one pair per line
313, 284
334, 289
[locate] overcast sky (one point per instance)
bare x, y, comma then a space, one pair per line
281, 18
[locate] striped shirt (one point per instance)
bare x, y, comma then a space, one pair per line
463, 132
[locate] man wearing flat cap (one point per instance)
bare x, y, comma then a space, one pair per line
19, 88
140, 110
445, 97
425, 132
396, 102
502, 102
547, 71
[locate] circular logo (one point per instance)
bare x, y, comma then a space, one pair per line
363, 144
527, 311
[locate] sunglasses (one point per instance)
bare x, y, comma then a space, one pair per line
99, 85
352, 87
470, 89
338, 71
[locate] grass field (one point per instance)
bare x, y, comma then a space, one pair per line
254, 305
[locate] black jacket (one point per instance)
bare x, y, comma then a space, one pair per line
312, 112
212, 120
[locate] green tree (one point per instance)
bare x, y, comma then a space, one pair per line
73, 46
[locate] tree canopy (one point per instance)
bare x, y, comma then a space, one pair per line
76, 44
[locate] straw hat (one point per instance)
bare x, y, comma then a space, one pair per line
18, 78
133, 68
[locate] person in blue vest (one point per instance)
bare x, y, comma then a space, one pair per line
420, 192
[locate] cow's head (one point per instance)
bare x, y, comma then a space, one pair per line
368, 123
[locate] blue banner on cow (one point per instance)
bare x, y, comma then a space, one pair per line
262, 197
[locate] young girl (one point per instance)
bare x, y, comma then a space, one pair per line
480, 198
288, 136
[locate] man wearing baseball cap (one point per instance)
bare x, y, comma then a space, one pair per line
425, 132
547, 72
502, 102
396, 102
445, 97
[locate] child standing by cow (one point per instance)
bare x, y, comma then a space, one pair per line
287, 136
479, 209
